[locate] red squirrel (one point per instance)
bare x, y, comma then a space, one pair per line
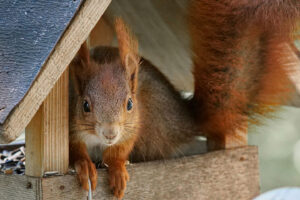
122, 105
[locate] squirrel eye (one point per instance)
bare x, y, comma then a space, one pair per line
86, 106
129, 104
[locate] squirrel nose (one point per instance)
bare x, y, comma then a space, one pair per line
110, 131
110, 136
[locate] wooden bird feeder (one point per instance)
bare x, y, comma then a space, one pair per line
38, 40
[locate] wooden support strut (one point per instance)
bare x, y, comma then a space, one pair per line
47, 135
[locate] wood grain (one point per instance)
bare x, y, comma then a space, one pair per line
228, 175
56, 127
18, 187
47, 135
34, 145
86, 18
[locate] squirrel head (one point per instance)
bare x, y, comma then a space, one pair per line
105, 85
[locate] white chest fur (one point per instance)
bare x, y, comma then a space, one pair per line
94, 146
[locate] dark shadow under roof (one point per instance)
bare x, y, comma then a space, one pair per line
29, 30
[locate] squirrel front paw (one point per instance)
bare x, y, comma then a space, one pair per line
86, 169
118, 176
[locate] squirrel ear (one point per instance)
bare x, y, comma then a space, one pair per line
128, 49
132, 66
79, 68
83, 54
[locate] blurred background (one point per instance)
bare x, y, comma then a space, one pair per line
278, 142
279, 146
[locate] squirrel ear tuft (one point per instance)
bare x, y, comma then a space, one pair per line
128, 44
128, 50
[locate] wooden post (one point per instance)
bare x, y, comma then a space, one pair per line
47, 135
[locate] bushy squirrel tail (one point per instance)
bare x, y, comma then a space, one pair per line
241, 61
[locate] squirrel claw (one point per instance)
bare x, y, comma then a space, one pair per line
117, 181
85, 170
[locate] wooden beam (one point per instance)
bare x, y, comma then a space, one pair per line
47, 135
227, 174
19, 187
33, 140
68, 45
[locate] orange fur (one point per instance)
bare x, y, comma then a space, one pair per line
128, 44
128, 51
240, 66
115, 157
84, 166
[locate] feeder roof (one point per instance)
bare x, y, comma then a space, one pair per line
37, 37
